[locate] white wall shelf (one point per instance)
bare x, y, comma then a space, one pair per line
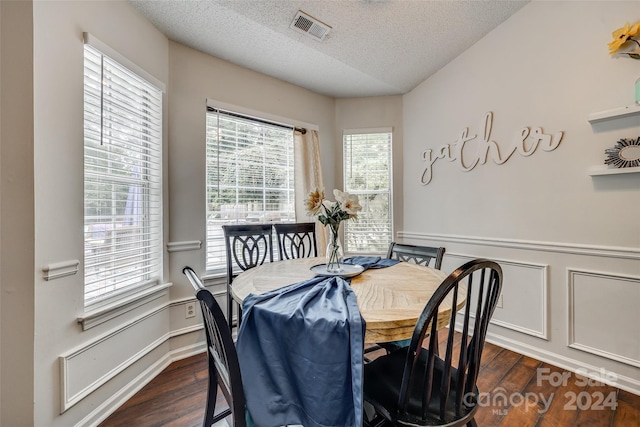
620, 112
604, 170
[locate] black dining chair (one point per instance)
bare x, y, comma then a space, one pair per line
422, 255
224, 370
296, 240
247, 246
414, 385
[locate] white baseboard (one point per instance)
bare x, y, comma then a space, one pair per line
622, 382
109, 406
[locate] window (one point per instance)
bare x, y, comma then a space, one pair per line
367, 173
249, 176
122, 179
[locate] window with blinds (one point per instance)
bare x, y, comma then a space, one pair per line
249, 176
122, 179
367, 173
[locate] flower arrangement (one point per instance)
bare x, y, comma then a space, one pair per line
331, 214
624, 41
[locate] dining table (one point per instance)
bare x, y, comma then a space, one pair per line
390, 299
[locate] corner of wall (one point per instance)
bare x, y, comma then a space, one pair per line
16, 214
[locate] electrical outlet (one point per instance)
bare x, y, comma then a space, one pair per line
499, 303
190, 310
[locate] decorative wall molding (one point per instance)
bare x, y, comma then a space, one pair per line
526, 143
71, 397
57, 270
191, 245
107, 312
573, 275
542, 270
107, 407
559, 247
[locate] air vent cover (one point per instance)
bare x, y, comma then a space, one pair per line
307, 24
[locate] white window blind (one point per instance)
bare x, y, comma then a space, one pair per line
367, 173
122, 179
249, 176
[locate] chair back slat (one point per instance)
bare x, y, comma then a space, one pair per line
463, 358
448, 394
296, 240
429, 371
422, 255
217, 343
224, 369
247, 246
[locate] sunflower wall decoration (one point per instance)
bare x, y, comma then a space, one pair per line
625, 154
625, 41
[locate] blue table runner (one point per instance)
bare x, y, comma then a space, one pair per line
300, 350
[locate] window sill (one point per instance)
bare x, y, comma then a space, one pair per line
214, 275
110, 311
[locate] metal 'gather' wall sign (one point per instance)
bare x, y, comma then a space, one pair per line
526, 143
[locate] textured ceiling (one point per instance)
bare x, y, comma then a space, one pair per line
375, 47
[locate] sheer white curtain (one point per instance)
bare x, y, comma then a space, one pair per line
308, 176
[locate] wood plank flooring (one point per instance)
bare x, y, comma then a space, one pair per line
535, 394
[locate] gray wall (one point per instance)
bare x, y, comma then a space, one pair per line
211, 78
16, 215
82, 372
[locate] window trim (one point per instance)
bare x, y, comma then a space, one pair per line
221, 105
212, 107
117, 307
126, 299
366, 131
94, 42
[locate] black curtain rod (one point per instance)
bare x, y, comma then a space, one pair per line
229, 113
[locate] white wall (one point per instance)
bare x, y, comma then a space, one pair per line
569, 242
16, 214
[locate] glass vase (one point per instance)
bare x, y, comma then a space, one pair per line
334, 253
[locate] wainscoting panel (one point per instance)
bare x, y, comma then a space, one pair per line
603, 315
568, 304
87, 368
523, 303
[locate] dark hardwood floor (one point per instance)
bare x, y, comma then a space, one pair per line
536, 396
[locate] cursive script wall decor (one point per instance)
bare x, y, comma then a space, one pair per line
526, 143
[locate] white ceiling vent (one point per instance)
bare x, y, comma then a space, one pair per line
307, 24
